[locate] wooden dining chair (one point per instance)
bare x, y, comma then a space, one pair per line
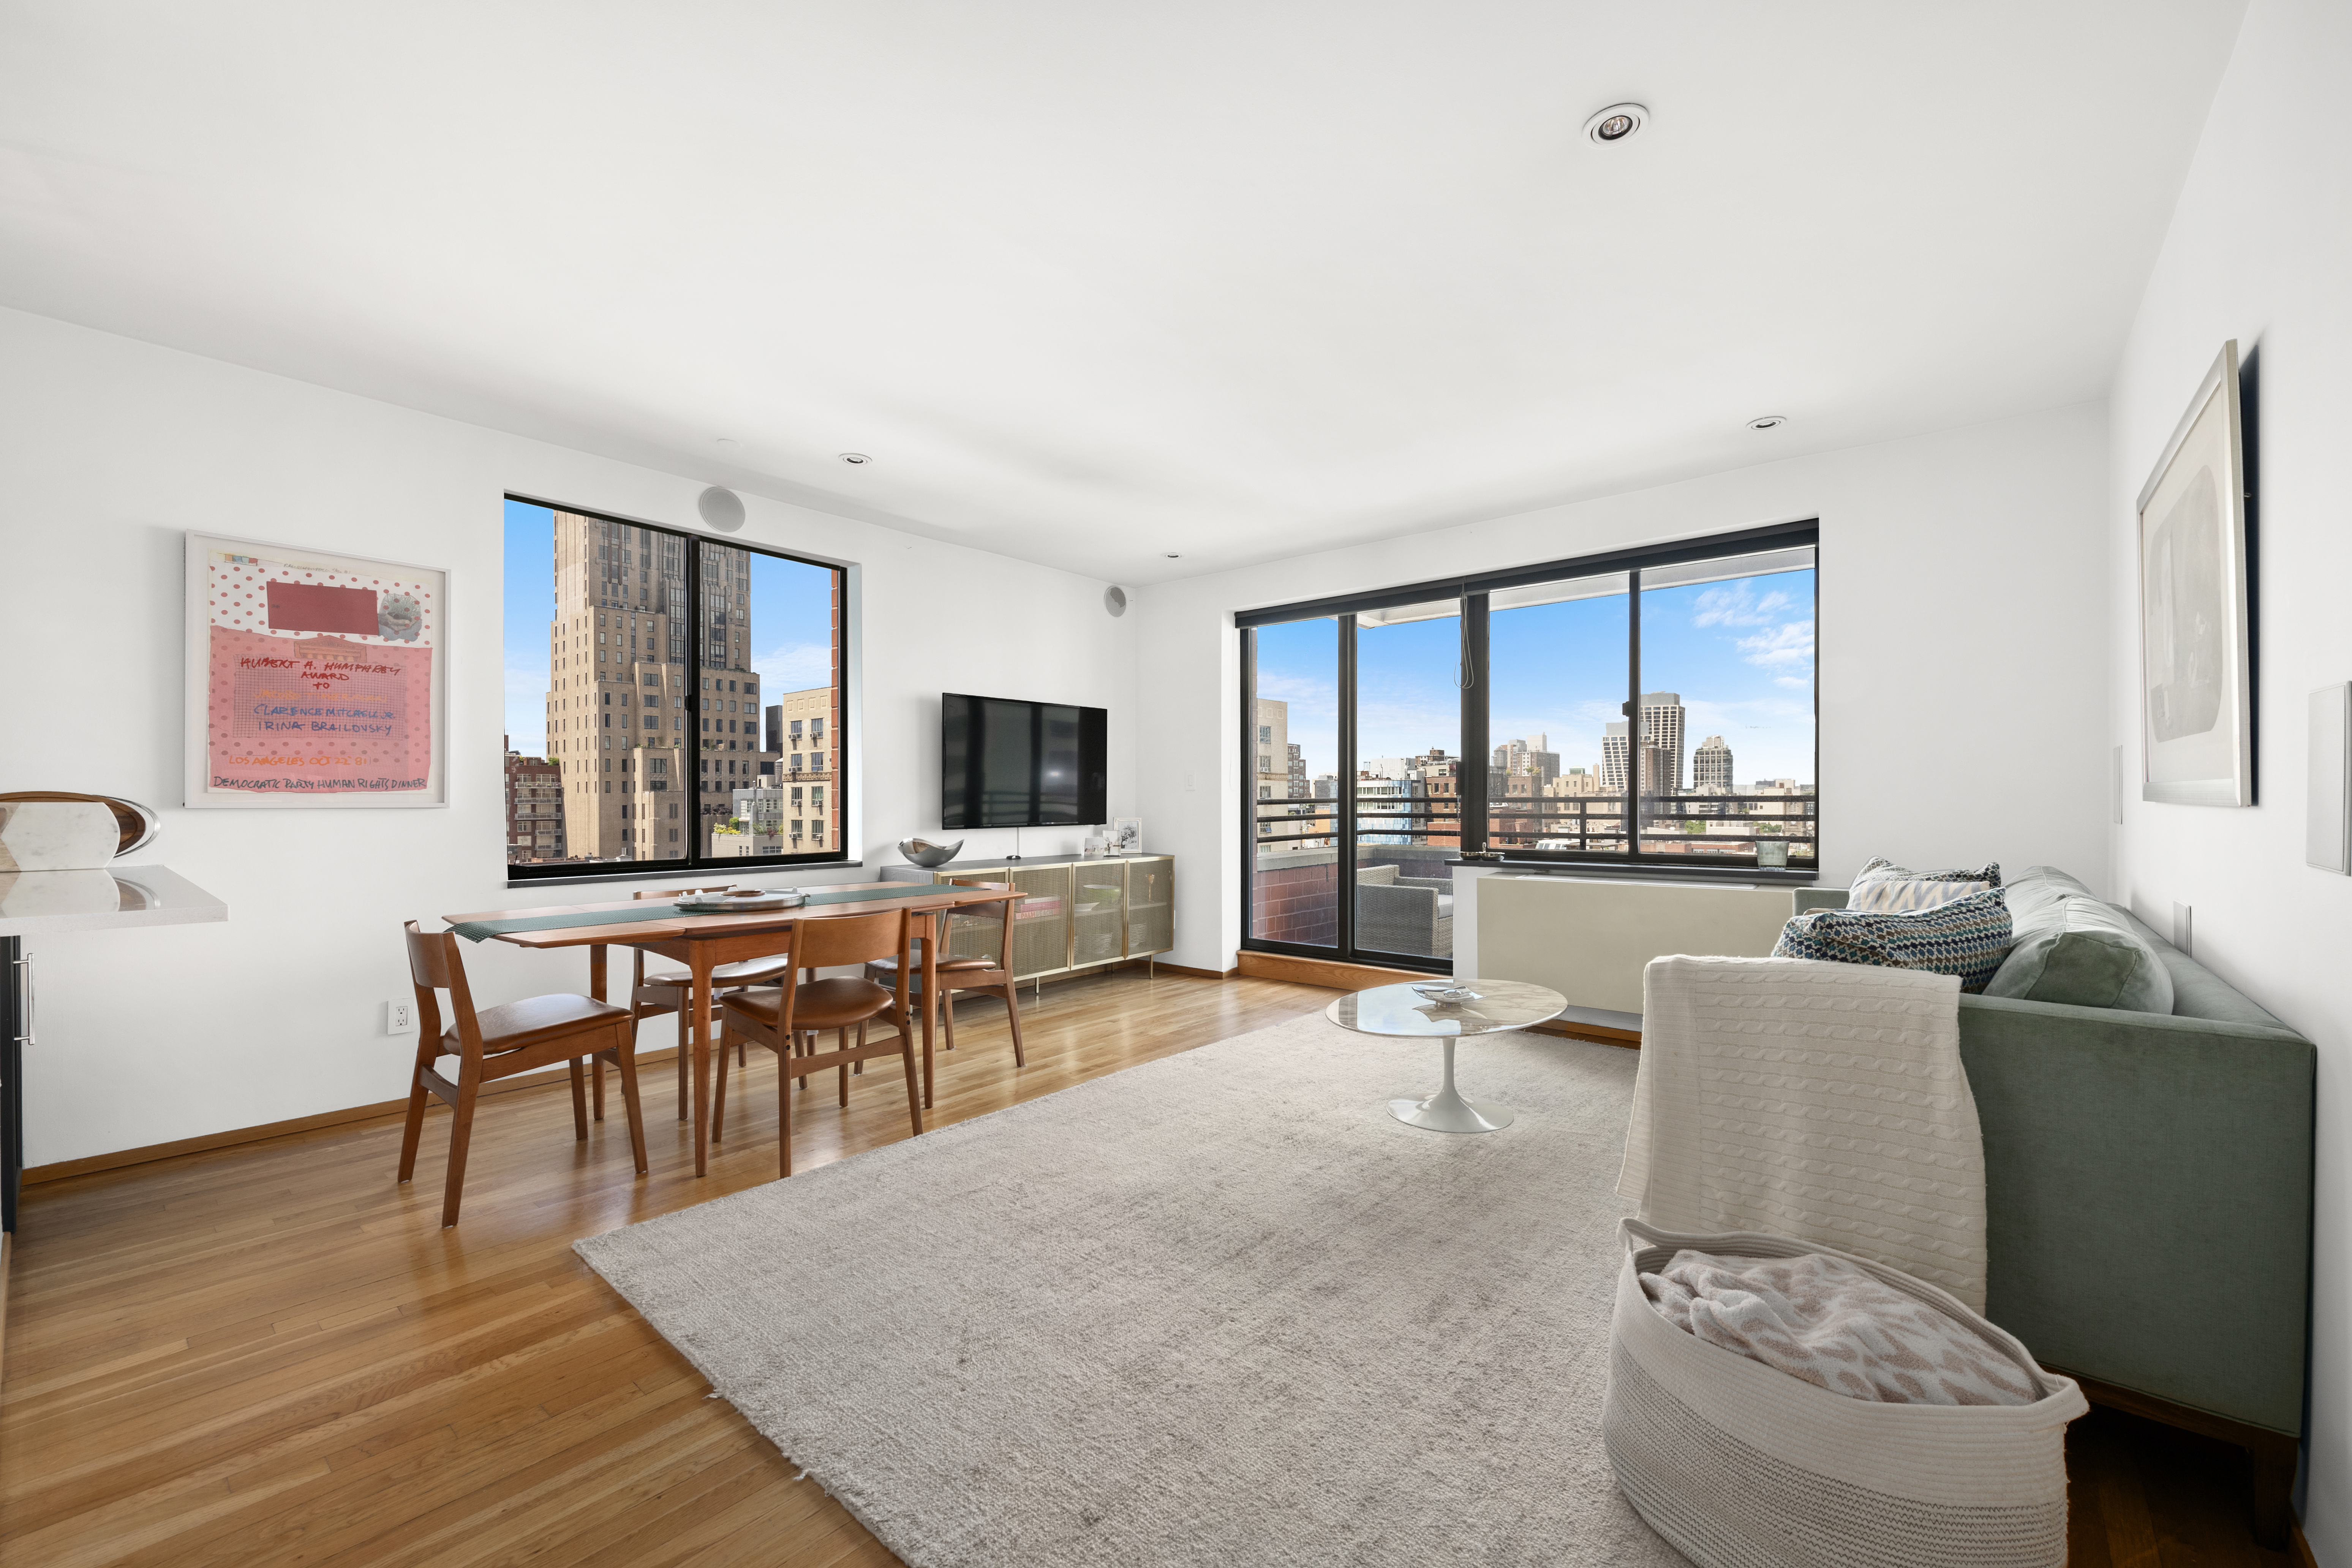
661, 986
786, 1018
500, 1042
990, 976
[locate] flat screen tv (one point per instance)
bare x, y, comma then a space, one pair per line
1005, 763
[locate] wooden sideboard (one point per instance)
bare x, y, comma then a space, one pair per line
1074, 914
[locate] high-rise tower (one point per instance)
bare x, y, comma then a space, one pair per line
616, 703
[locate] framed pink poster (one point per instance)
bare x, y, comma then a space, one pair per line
314, 680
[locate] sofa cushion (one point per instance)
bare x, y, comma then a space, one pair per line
1967, 937
2072, 949
1882, 886
2197, 991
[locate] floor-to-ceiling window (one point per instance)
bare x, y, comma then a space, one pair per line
1648, 712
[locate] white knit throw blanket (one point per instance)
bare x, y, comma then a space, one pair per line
1823, 1102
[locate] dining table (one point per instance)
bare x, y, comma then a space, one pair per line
704, 941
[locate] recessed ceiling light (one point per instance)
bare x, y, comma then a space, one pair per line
728, 444
1767, 422
856, 459
1173, 556
1616, 123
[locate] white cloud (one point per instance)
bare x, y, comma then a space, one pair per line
1736, 605
795, 667
1790, 643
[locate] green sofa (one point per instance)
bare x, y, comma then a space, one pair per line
2147, 1187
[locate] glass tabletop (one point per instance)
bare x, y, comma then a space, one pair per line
1403, 1009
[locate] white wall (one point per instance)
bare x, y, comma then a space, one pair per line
110, 449
2261, 250
1962, 648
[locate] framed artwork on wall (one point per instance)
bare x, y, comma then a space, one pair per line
1126, 835
2196, 697
314, 680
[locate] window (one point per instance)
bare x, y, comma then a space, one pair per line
1602, 712
696, 618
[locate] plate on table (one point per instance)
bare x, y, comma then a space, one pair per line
739, 903
1450, 994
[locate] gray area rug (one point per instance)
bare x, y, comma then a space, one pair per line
1220, 1308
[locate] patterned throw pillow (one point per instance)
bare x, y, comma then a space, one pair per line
1885, 886
1967, 937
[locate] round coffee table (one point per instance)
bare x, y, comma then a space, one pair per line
1499, 1005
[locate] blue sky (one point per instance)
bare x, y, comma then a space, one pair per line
791, 622
1740, 653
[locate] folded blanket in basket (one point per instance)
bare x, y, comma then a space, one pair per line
1825, 1321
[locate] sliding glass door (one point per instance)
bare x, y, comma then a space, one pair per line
1596, 713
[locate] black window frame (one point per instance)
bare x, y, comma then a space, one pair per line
694, 861
1472, 591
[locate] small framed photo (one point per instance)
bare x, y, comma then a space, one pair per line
1126, 835
314, 680
2196, 700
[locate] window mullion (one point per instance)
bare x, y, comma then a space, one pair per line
1343, 869
1470, 790
1632, 823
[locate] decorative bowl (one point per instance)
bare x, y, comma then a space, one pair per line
735, 899
925, 853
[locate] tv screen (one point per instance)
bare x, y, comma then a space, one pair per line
1005, 763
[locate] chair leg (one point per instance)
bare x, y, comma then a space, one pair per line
1012, 1016
914, 1087
784, 1120
685, 1067
597, 1073
719, 1103
580, 1101
845, 1066
946, 1016
461, 1135
624, 1059
415, 1128
805, 1045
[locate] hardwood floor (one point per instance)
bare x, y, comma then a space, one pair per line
274, 1355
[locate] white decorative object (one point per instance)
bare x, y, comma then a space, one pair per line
2327, 823
2196, 700
57, 835
1126, 835
313, 678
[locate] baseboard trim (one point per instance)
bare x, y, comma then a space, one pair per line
1597, 1034
232, 1137
1324, 972
1164, 967
7, 1255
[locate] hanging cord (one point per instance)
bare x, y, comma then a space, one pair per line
1464, 678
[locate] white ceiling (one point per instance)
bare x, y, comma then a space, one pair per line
1095, 283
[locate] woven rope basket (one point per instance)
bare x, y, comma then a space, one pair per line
1742, 1466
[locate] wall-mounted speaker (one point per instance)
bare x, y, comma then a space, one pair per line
1115, 600
2327, 823
721, 509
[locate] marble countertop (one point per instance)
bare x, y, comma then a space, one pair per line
31, 902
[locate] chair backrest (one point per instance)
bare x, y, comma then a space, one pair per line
1376, 876
1001, 917
832, 940
435, 965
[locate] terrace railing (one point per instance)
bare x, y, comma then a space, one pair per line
1578, 824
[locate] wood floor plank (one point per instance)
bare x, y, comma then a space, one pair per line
274, 1355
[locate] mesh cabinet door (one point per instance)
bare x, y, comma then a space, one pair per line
972, 933
1097, 913
1040, 931
1151, 905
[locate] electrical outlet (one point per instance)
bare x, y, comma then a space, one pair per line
399, 1018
